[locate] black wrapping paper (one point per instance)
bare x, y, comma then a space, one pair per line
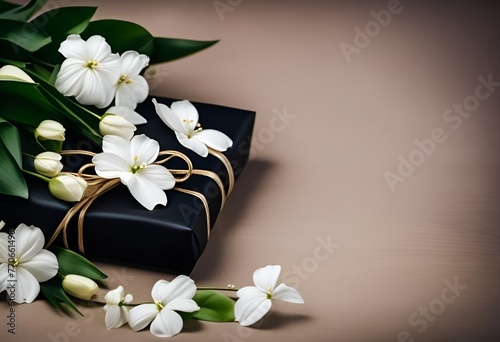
117, 229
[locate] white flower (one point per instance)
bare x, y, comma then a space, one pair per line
255, 301
131, 161
112, 124
182, 118
129, 114
13, 73
116, 312
89, 72
131, 87
79, 286
168, 298
50, 130
67, 187
24, 264
48, 163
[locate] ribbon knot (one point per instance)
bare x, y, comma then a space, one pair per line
98, 186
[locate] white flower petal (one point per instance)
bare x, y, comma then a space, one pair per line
186, 111
214, 139
145, 192
287, 294
159, 288
112, 124
42, 266
182, 287
135, 90
130, 115
74, 47
4, 254
95, 90
265, 278
250, 291
128, 298
144, 148
11, 72
250, 309
4, 275
68, 79
109, 165
27, 287
158, 175
194, 145
184, 305
169, 117
115, 296
119, 146
115, 317
132, 63
167, 324
29, 242
98, 48
140, 316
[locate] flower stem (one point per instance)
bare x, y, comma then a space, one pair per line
29, 155
227, 288
37, 175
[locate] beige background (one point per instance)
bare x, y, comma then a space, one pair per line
319, 176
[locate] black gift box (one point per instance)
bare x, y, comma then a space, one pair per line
117, 229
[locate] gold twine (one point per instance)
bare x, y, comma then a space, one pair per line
98, 186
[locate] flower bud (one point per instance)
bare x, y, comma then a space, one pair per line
79, 286
48, 164
116, 125
67, 187
11, 72
50, 130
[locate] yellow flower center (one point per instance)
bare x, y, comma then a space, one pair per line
136, 167
15, 263
124, 78
91, 65
197, 130
269, 294
159, 305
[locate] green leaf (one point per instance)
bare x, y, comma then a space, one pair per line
28, 104
168, 49
23, 103
21, 12
22, 35
18, 64
121, 35
186, 316
59, 23
81, 118
54, 293
11, 139
214, 306
73, 263
12, 181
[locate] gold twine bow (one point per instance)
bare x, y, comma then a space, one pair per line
96, 186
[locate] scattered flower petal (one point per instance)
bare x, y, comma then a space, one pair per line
116, 311
255, 301
165, 322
